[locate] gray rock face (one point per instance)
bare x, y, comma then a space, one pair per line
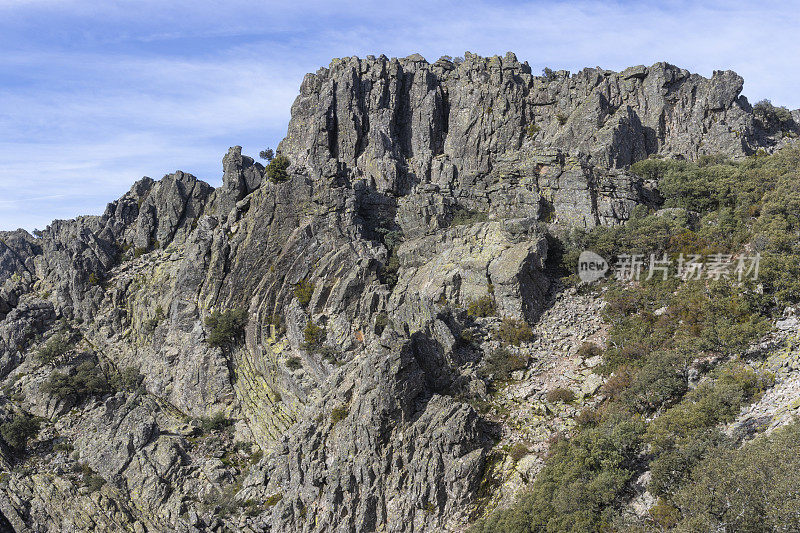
398, 456
414, 189
241, 176
398, 122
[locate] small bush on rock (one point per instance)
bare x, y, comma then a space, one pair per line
514, 331
267, 155
502, 362
381, 321
129, 379
86, 381
18, 431
152, 323
227, 327
464, 217
482, 307
339, 413
54, 348
561, 394
313, 336
518, 451
770, 113
589, 350
276, 170
303, 291
216, 422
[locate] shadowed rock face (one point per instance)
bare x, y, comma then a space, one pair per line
415, 189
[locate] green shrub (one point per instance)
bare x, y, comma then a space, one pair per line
769, 113
514, 331
303, 291
501, 363
467, 336
518, 451
56, 346
532, 129
267, 155
276, 320
313, 336
89, 477
389, 272
86, 381
664, 514
276, 170
753, 488
294, 363
339, 413
18, 431
129, 379
94, 482
561, 394
381, 321
588, 350
463, 217
580, 487
271, 501
672, 468
712, 402
661, 381
152, 323
226, 327
329, 354
216, 422
482, 307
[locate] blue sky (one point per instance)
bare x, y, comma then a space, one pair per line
94, 95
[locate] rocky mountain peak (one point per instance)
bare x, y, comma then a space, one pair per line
397, 122
303, 352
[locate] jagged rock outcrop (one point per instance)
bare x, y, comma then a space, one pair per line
398, 122
414, 189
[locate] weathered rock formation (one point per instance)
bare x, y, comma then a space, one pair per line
414, 190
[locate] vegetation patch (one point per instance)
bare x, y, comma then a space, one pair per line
226, 328
502, 362
463, 217
482, 307
215, 423
661, 332
561, 395
56, 346
339, 413
314, 336
514, 331
18, 431
87, 380
277, 169
303, 291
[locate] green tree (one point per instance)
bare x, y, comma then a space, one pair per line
226, 327
276, 170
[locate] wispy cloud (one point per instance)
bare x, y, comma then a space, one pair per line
93, 95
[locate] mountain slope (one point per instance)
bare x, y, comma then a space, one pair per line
304, 353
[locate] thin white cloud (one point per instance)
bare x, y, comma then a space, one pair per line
113, 90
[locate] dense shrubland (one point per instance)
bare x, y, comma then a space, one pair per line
665, 335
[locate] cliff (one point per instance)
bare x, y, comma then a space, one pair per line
414, 190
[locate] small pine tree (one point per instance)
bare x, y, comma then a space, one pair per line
266, 155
